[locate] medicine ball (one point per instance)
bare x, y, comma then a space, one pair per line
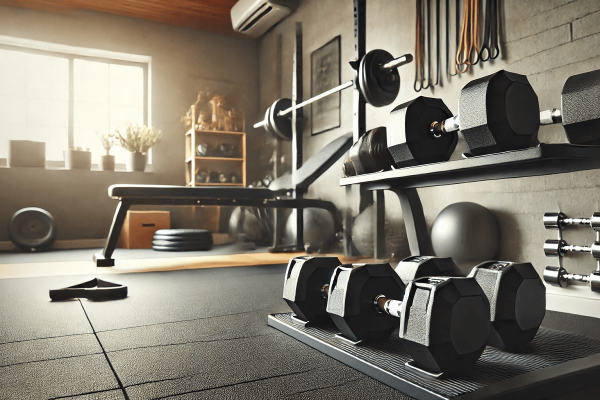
396, 241
466, 232
244, 222
319, 228
32, 229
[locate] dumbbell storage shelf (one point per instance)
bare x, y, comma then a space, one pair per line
227, 165
542, 370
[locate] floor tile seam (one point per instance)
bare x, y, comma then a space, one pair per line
183, 343
232, 384
324, 387
104, 352
183, 320
82, 394
50, 359
46, 338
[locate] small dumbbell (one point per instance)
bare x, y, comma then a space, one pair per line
515, 292
579, 112
558, 220
560, 248
306, 286
499, 112
558, 276
444, 322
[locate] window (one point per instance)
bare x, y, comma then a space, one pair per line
66, 100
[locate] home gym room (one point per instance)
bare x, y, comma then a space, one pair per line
192, 189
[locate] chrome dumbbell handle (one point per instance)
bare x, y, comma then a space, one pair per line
558, 276
388, 306
549, 117
559, 248
558, 220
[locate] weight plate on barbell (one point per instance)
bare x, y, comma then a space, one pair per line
379, 88
280, 126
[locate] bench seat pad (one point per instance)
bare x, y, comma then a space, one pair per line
186, 192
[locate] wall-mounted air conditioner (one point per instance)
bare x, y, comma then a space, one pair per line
255, 17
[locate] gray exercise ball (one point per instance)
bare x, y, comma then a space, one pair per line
319, 228
250, 226
467, 232
396, 242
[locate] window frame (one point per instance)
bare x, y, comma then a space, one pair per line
73, 53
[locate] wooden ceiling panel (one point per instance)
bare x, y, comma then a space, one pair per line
208, 15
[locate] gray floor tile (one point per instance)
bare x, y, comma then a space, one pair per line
209, 329
109, 395
48, 349
27, 312
160, 297
57, 378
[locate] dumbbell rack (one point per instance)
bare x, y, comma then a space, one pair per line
544, 370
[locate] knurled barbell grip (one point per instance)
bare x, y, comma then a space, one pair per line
388, 306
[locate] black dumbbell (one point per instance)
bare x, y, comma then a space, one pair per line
369, 154
580, 109
444, 321
306, 286
515, 292
499, 112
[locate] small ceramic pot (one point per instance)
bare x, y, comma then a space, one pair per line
136, 162
78, 159
108, 163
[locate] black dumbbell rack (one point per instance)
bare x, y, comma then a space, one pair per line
555, 361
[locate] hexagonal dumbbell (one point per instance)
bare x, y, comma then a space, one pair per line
517, 299
444, 322
580, 109
369, 154
306, 285
409, 137
515, 292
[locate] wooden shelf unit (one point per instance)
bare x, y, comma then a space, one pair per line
214, 162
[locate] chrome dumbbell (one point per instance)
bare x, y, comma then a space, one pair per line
558, 220
558, 276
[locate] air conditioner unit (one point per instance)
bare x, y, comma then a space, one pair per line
255, 17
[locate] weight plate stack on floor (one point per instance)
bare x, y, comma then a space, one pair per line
182, 240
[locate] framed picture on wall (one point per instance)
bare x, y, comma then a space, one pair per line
325, 74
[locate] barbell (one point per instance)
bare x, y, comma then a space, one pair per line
378, 81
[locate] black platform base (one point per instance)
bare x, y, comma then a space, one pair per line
101, 261
554, 363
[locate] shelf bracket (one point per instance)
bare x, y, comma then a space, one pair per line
414, 220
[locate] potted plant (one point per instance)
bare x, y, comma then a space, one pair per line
78, 158
108, 161
137, 139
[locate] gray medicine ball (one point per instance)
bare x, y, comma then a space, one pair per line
467, 232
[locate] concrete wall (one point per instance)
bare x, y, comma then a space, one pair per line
547, 40
181, 60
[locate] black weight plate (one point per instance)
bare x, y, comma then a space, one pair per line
379, 88
175, 239
32, 228
181, 243
182, 232
281, 126
171, 248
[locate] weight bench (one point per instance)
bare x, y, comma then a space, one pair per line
284, 192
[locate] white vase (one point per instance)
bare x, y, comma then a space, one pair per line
136, 162
107, 163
